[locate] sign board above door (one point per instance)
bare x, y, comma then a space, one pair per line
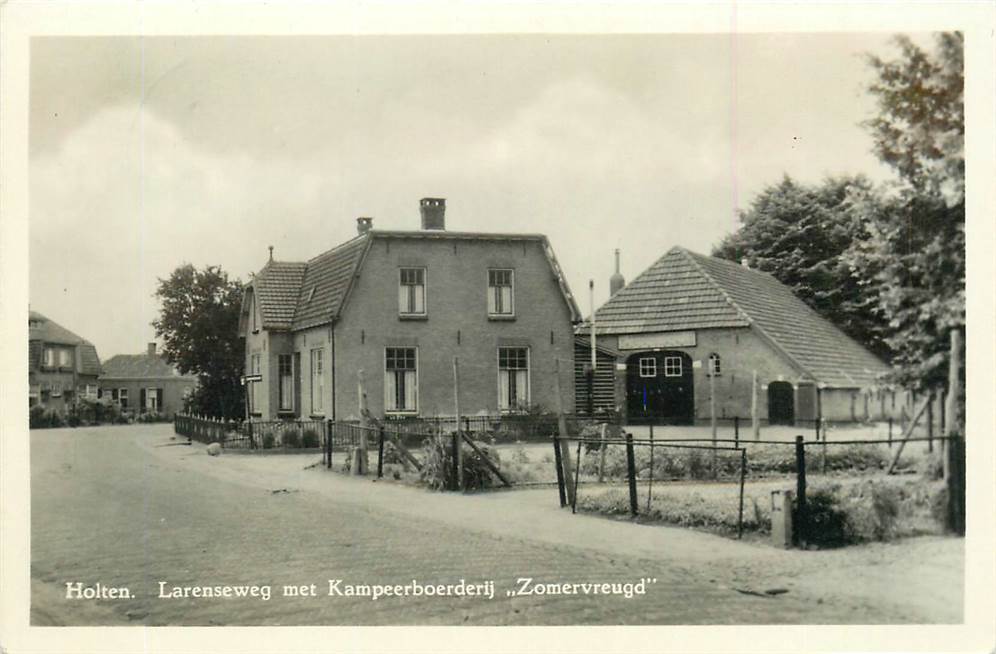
656, 341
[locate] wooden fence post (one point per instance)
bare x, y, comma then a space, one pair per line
743, 477
631, 473
565, 450
800, 492
930, 424
360, 461
458, 450
380, 452
328, 443
736, 431
601, 453
560, 471
456, 461
955, 482
755, 422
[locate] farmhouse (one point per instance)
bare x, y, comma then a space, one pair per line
145, 383
62, 367
692, 331
390, 310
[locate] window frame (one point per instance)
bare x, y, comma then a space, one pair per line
123, 398
48, 357
651, 370
406, 411
529, 377
425, 291
65, 358
511, 294
318, 410
669, 370
280, 384
254, 369
715, 365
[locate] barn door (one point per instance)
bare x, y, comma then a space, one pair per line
659, 388
781, 403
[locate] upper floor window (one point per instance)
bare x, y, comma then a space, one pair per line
715, 369
401, 379
65, 358
648, 367
672, 366
411, 292
49, 358
500, 292
285, 369
513, 378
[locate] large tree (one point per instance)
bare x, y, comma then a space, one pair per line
799, 233
915, 252
198, 322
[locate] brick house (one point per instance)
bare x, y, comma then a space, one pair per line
62, 367
145, 383
393, 308
689, 315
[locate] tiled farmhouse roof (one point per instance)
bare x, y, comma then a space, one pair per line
140, 366
684, 290
277, 287
296, 295
42, 330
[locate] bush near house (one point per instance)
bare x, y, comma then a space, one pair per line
310, 439
437, 465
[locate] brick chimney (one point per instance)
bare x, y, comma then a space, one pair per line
152, 349
364, 224
433, 213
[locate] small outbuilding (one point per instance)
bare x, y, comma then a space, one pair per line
694, 332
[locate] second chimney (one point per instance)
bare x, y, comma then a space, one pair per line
433, 213
152, 349
617, 281
364, 225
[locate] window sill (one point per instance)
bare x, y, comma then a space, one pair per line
413, 316
285, 413
406, 414
317, 416
255, 414
501, 318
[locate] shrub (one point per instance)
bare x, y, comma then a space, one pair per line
54, 418
268, 440
437, 465
37, 418
292, 438
310, 438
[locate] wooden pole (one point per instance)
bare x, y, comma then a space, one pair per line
560, 471
800, 490
755, 423
953, 416
955, 480
361, 459
930, 424
908, 432
712, 417
565, 448
601, 453
456, 403
631, 473
743, 476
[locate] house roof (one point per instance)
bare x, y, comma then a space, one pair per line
43, 330
684, 290
299, 295
141, 366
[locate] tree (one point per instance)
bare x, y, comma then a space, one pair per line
799, 233
915, 252
198, 322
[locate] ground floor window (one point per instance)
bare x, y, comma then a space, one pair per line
285, 368
401, 379
253, 390
123, 398
513, 378
317, 380
152, 400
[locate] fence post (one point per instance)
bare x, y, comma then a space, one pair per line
577, 478
743, 475
890, 432
736, 431
601, 452
801, 530
930, 424
456, 461
754, 421
565, 450
631, 473
457, 451
955, 482
560, 471
380, 452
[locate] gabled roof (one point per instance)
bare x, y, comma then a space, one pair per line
299, 295
685, 290
141, 366
42, 330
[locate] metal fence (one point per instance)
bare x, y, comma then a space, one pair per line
495, 428
261, 435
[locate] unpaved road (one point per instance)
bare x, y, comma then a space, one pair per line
127, 507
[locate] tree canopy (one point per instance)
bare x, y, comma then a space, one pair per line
198, 323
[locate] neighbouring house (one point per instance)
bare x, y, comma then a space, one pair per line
691, 323
62, 367
391, 310
145, 383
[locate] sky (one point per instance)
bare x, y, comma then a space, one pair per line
148, 153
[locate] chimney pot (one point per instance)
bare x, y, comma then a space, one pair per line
270, 247
364, 224
617, 281
152, 349
433, 212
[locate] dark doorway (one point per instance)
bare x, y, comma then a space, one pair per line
781, 403
659, 388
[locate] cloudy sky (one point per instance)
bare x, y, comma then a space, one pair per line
149, 153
